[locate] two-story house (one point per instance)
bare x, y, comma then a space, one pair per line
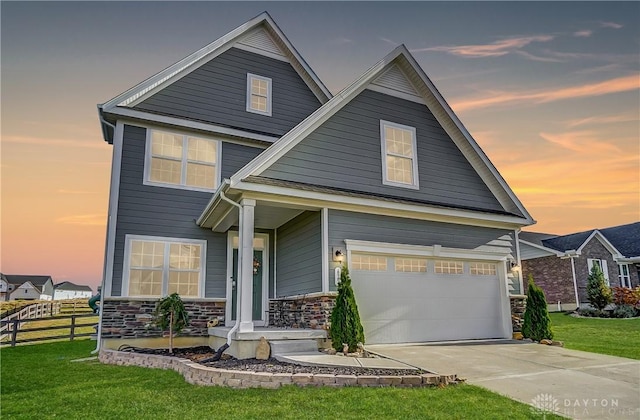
240, 182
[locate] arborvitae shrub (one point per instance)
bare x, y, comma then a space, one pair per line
537, 325
345, 319
598, 293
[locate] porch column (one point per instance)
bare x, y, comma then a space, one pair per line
245, 256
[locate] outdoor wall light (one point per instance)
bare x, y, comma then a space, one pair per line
338, 254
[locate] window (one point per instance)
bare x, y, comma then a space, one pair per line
482, 269
368, 262
448, 267
258, 94
623, 276
411, 265
182, 161
602, 264
161, 266
399, 161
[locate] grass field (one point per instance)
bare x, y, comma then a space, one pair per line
617, 337
42, 381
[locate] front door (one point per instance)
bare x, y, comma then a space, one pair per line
257, 285
260, 277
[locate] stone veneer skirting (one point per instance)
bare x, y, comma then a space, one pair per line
133, 318
518, 306
197, 374
314, 310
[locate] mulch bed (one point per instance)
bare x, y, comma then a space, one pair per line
196, 354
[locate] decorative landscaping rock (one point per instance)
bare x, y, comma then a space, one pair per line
198, 374
557, 343
264, 349
545, 341
518, 336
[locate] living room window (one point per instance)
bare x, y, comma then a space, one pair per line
181, 161
399, 161
623, 276
258, 94
157, 266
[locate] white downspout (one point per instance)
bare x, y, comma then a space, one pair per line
575, 283
239, 272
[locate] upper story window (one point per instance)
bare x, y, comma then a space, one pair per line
399, 160
258, 94
181, 161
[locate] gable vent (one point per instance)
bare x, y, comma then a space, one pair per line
394, 80
261, 42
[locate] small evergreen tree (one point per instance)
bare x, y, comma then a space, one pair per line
537, 324
598, 293
171, 314
345, 319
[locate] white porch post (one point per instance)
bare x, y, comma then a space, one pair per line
245, 256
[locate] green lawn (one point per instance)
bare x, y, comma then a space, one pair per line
617, 337
40, 381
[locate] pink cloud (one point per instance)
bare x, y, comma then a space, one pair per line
611, 25
494, 49
583, 34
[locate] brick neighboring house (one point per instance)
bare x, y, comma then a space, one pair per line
560, 265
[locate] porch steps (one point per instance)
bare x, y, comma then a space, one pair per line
284, 347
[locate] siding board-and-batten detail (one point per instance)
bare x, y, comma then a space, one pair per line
216, 93
168, 212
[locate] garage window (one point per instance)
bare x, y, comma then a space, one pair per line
483, 269
448, 267
411, 265
368, 262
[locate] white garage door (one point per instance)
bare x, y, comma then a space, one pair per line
405, 299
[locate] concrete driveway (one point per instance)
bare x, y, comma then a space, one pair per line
573, 383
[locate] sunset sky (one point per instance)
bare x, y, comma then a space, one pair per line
551, 92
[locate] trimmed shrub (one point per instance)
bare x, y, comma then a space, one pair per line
345, 319
626, 296
624, 311
598, 293
592, 312
537, 324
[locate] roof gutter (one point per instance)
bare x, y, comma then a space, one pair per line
219, 194
104, 124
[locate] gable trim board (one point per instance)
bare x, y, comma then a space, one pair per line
243, 36
436, 104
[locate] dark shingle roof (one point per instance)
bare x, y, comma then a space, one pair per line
67, 285
18, 279
626, 238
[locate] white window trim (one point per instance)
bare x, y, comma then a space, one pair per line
414, 160
147, 160
625, 280
603, 267
251, 76
124, 291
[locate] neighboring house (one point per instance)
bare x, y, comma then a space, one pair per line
4, 288
68, 290
26, 287
236, 173
560, 265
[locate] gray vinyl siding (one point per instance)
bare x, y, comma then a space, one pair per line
168, 212
216, 93
371, 227
345, 153
235, 156
299, 255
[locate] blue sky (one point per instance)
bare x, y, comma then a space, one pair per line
549, 90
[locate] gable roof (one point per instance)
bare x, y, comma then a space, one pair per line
260, 34
623, 240
415, 86
18, 279
67, 285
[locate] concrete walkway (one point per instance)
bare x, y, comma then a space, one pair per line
575, 384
